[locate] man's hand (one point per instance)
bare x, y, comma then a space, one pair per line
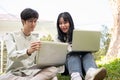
33, 47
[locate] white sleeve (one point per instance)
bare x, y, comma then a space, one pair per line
12, 52
69, 47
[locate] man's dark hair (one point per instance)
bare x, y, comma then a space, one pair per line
29, 13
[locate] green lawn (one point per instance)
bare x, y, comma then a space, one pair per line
63, 77
113, 71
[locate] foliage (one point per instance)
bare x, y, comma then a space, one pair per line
113, 69
105, 40
46, 38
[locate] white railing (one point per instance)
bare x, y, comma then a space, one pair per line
1, 54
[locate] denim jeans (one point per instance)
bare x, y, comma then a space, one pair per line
79, 62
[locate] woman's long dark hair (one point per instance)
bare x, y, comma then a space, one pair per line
63, 37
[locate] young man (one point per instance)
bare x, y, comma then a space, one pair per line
22, 48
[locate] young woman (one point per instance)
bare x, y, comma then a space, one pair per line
22, 47
77, 63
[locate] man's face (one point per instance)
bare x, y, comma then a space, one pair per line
30, 24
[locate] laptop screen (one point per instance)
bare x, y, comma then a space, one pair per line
84, 40
52, 54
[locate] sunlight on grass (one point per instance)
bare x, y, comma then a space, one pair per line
113, 69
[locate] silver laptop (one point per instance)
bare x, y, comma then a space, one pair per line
52, 54
84, 40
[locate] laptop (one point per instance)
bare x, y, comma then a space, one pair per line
86, 40
51, 54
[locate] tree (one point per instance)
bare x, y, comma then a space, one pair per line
104, 43
114, 47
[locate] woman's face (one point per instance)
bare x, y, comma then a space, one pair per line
64, 25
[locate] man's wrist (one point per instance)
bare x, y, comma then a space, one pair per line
28, 53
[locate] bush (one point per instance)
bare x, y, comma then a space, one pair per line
46, 38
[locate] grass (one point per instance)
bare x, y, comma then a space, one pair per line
113, 71
63, 77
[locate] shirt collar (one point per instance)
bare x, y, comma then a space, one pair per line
26, 37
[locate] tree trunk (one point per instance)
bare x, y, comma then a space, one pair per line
114, 47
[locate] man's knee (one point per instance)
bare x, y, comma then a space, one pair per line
50, 71
53, 69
